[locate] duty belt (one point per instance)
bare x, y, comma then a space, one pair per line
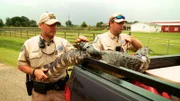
44, 87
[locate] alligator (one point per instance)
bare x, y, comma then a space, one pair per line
138, 62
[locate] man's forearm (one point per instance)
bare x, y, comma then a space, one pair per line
136, 44
26, 69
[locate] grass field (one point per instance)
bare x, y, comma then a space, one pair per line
9, 49
159, 43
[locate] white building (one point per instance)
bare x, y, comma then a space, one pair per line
145, 27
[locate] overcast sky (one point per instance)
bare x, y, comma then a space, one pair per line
92, 11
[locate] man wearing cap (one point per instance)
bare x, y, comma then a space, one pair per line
44, 49
114, 39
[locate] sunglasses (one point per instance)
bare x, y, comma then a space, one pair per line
120, 17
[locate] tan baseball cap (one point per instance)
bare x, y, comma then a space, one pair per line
48, 18
117, 18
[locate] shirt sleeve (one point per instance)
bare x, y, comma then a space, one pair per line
23, 55
67, 45
97, 44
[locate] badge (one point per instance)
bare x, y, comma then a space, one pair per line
52, 16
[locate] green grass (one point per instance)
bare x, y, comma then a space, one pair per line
159, 43
9, 56
13, 43
9, 49
163, 36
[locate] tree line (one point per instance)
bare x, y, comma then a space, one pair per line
84, 24
18, 22
26, 22
23, 21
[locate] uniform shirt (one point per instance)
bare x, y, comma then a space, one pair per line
107, 41
31, 54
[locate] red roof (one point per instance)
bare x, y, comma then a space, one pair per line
167, 22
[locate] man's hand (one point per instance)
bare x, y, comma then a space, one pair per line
135, 43
39, 74
82, 39
129, 39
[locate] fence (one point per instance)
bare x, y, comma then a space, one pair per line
161, 46
158, 46
19, 32
30, 32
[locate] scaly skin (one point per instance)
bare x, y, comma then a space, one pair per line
65, 60
139, 62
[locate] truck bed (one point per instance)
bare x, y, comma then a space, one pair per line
89, 83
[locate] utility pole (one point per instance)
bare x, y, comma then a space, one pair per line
68, 20
68, 17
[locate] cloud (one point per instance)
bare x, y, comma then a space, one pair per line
92, 11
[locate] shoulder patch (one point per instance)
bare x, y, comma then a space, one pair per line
60, 48
22, 48
122, 42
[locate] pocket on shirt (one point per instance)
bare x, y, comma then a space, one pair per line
35, 55
35, 59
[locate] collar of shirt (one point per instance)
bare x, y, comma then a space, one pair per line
48, 42
50, 48
113, 37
